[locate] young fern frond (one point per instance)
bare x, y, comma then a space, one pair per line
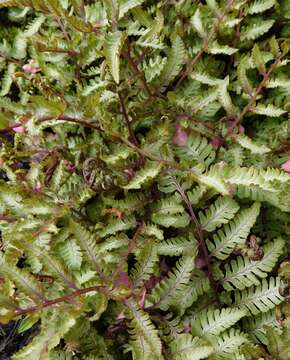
243, 272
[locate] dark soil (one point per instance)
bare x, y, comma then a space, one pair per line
11, 341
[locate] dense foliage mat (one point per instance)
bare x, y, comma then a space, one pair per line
145, 186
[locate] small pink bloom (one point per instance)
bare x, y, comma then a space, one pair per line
123, 280
286, 166
142, 300
180, 136
121, 316
217, 142
19, 129
69, 166
31, 67
129, 172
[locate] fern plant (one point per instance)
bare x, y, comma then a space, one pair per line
144, 178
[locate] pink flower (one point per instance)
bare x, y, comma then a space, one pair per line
216, 142
129, 172
31, 67
19, 129
180, 136
69, 166
286, 166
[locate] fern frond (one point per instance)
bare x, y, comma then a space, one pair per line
259, 299
150, 171
220, 212
53, 328
175, 60
187, 347
197, 149
268, 110
117, 225
213, 179
169, 212
215, 321
177, 246
171, 288
71, 254
198, 285
86, 241
112, 50
242, 272
259, 6
227, 343
249, 144
146, 260
255, 30
143, 330
127, 5
233, 233
23, 280
256, 325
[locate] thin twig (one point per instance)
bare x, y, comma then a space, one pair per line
131, 245
205, 44
253, 99
126, 117
138, 72
199, 231
65, 298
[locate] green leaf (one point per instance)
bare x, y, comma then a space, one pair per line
169, 290
268, 110
150, 171
187, 347
223, 210
215, 321
259, 299
175, 59
243, 272
71, 254
249, 144
259, 6
233, 233
112, 51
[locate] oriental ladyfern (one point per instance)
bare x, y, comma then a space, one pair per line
145, 185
